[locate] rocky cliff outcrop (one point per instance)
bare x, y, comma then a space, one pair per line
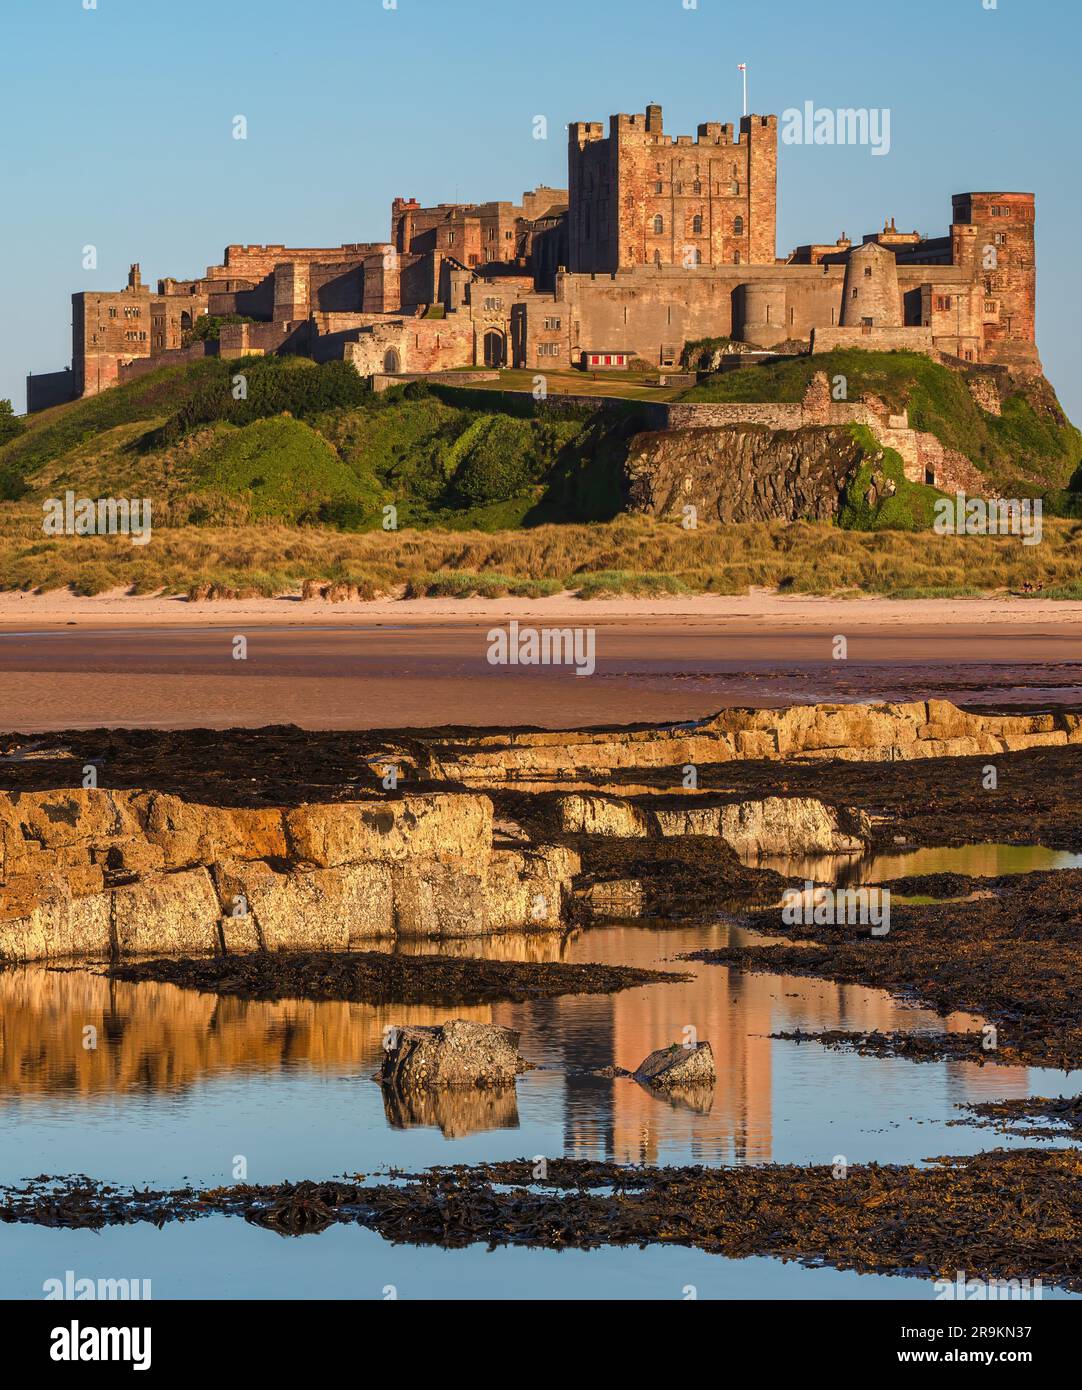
96, 872
123, 872
887, 732
766, 826
741, 472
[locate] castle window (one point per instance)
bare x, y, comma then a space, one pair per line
736, 258
942, 303
867, 272
552, 325
1001, 238
990, 306
548, 349
659, 225
738, 226
697, 225
856, 294
659, 187
698, 185
696, 257
734, 189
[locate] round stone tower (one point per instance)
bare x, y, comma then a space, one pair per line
871, 297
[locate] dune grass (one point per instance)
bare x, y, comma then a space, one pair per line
631, 555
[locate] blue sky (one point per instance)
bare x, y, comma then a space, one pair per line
118, 123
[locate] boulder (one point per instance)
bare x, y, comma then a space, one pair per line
678, 1066
458, 1053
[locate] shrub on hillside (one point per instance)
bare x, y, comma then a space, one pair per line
499, 464
10, 424
274, 386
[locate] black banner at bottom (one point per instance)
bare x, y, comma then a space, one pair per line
283, 1338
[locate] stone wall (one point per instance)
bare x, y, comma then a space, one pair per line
873, 339
412, 346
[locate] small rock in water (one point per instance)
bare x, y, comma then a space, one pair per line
679, 1066
459, 1053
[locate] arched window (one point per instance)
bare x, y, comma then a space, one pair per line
659, 225
738, 226
697, 225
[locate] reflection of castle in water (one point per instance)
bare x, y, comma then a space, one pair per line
159, 1038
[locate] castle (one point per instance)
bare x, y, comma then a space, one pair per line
657, 241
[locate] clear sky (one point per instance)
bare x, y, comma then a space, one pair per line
118, 124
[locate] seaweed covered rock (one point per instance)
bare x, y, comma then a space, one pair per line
458, 1053
679, 1066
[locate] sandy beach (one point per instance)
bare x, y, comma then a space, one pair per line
116, 660
117, 608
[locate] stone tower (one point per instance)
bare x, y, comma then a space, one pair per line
639, 197
871, 298
993, 235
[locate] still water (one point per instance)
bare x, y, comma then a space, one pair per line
977, 861
181, 1084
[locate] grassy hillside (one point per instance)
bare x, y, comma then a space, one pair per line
307, 443
1031, 448
287, 479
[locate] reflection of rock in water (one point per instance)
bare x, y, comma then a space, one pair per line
699, 1099
454, 1112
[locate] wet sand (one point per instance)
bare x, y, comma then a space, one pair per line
114, 660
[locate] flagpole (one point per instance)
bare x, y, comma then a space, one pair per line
744, 74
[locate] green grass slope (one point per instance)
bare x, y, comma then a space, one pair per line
284, 439
299, 442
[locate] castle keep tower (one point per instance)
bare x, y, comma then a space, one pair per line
640, 197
